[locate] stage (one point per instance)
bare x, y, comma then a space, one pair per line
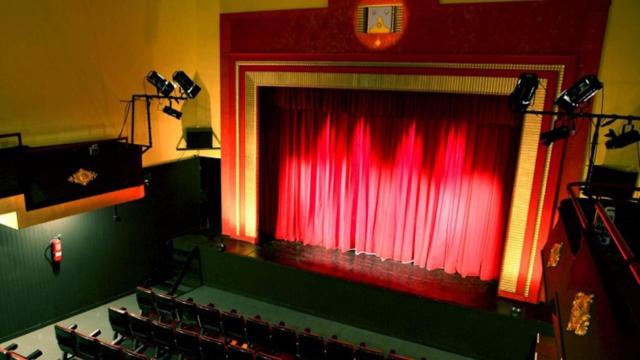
461, 315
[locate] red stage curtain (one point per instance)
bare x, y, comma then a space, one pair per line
415, 177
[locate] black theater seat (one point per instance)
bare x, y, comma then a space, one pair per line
146, 301
67, 340
188, 344
88, 346
258, 334
209, 318
163, 338
9, 353
110, 351
238, 353
338, 350
119, 320
166, 307
140, 329
233, 326
284, 341
364, 353
187, 313
310, 346
212, 349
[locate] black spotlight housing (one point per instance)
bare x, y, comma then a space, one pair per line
521, 97
559, 133
162, 85
172, 112
578, 93
188, 86
626, 138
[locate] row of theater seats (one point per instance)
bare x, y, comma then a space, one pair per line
9, 353
234, 329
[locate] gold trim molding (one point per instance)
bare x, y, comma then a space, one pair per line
485, 85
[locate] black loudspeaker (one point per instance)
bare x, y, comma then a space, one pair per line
199, 138
608, 176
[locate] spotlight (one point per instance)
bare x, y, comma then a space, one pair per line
190, 88
521, 97
163, 86
578, 93
627, 137
172, 112
556, 134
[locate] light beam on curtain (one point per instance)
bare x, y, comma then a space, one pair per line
423, 178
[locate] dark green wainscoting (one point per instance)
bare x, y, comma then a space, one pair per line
103, 257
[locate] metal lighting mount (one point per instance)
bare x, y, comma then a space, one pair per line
600, 118
147, 98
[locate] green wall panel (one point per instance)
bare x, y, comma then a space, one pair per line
102, 258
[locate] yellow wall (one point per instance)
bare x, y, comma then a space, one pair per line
65, 66
620, 73
234, 6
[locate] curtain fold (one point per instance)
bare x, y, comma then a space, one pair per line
416, 177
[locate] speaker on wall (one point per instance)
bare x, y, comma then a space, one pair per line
199, 138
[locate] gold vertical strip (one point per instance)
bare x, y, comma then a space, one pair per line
250, 159
237, 129
539, 105
521, 197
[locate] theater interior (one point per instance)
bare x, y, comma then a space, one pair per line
319, 179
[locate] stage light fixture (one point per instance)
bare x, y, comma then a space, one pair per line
521, 97
578, 93
628, 136
172, 112
555, 134
188, 86
162, 85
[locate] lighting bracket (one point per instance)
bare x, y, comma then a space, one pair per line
147, 98
610, 119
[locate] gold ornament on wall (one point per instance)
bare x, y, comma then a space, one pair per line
580, 313
82, 177
554, 255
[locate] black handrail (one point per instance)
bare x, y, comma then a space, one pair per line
194, 252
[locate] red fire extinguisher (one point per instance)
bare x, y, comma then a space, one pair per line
56, 250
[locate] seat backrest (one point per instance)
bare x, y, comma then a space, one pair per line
238, 353
166, 306
66, 339
263, 356
110, 352
187, 342
339, 350
140, 327
363, 353
310, 346
233, 326
284, 340
88, 347
187, 313
146, 301
163, 335
209, 318
258, 334
212, 349
119, 320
